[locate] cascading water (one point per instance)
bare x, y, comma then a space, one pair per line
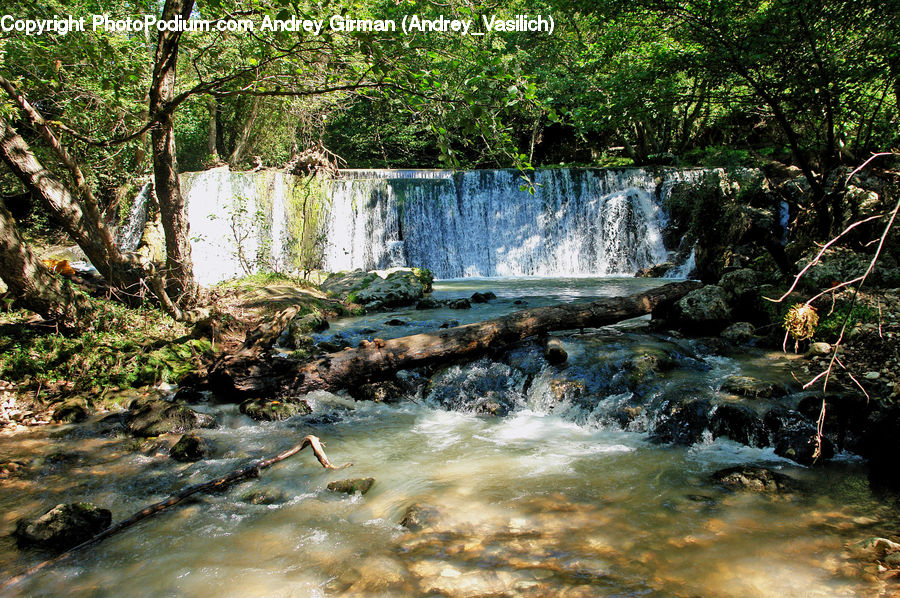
481, 223
129, 236
577, 222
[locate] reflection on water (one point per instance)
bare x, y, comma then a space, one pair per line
550, 500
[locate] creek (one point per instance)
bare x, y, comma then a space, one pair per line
557, 497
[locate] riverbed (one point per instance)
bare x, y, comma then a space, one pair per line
554, 498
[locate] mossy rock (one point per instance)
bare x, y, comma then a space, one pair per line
71, 411
153, 416
754, 479
272, 410
190, 447
62, 527
352, 486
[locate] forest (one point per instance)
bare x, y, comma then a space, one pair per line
653, 242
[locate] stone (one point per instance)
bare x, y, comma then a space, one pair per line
754, 479
793, 436
352, 486
554, 351
265, 497
388, 391
71, 411
817, 349
190, 447
419, 516
459, 304
747, 386
272, 410
704, 309
682, 421
656, 271
153, 416
340, 284
396, 322
449, 324
483, 297
738, 423
739, 332
429, 303
739, 284
399, 288
62, 527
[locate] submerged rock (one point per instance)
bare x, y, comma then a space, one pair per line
272, 410
352, 486
63, 526
793, 436
396, 322
190, 447
264, 497
429, 303
754, 479
153, 417
419, 516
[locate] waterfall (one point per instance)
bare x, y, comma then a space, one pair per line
577, 222
129, 234
572, 222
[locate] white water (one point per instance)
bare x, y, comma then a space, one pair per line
578, 222
481, 223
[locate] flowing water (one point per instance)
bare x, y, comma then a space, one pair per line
552, 499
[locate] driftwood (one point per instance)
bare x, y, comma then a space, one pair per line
247, 374
250, 471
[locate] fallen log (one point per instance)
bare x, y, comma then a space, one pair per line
220, 483
243, 375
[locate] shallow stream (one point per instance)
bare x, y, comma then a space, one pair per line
552, 499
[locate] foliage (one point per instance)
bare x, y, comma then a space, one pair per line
829, 325
124, 348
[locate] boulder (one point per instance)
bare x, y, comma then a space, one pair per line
352, 486
739, 332
738, 423
396, 322
340, 284
190, 447
429, 303
483, 297
62, 527
153, 416
682, 421
459, 304
387, 391
818, 349
754, 479
703, 310
71, 411
739, 285
793, 436
272, 410
399, 288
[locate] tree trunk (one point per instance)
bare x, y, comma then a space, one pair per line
245, 374
180, 267
32, 284
84, 226
213, 153
240, 148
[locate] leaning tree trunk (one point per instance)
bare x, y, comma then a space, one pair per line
247, 374
180, 267
85, 226
32, 284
